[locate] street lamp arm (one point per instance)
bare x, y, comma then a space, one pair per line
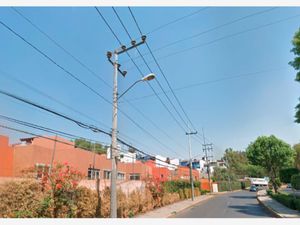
149, 77
129, 88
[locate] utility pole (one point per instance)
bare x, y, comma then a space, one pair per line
207, 148
113, 149
53, 154
229, 180
191, 166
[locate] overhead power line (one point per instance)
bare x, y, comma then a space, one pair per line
210, 29
80, 81
229, 36
216, 28
40, 92
49, 130
76, 59
41, 136
106, 22
162, 72
262, 72
119, 41
150, 70
60, 46
176, 20
79, 123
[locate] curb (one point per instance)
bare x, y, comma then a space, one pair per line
172, 214
273, 212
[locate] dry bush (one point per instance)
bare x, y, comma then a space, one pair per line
105, 202
187, 193
86, 203
20, 199
170, 198
122, 204
197, 191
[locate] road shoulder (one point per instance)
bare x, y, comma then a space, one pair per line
173, 209
274, 207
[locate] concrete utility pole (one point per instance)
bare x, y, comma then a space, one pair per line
113, 149
229, 180
207, 148
191, 166
113, 186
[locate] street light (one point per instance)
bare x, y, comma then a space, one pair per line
114, 132
149, 77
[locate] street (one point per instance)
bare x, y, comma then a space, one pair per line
242, 204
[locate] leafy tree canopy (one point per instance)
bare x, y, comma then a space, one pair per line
296, 64
297, 155
272, 154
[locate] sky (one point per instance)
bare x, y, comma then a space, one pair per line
232, 76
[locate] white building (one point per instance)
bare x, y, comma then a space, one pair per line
161, 161
125, 157
259, 181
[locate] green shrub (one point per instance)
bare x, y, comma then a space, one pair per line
269, 192
295, 181
297, 204
197, 184
285, 199
226, 186
204, 192
175, 185
286, 174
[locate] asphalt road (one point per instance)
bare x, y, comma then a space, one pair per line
242, 204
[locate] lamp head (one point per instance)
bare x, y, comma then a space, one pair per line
149, 77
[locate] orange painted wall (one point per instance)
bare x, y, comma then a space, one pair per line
184, 173
205, 184
6, 158
40, 151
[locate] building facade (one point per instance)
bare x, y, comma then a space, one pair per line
36, 153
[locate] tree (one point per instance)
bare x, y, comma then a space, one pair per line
286, 174
222, 174
82, 143
238, 164
236, 161
255, 171
296, 64
271, 153
297, 156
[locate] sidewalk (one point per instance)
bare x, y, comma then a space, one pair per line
277, 209
171, 210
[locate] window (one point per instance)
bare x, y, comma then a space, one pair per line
41, 169
107, 174
121, 176
134, 176
93, 173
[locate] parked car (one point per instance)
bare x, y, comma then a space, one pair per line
253, 188
289, 186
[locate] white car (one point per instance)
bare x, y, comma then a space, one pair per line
289, 186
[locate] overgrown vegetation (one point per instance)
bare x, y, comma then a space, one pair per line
286, 174
296, 64
286, 199
273, 154
58, 196
98, 148
295, 181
